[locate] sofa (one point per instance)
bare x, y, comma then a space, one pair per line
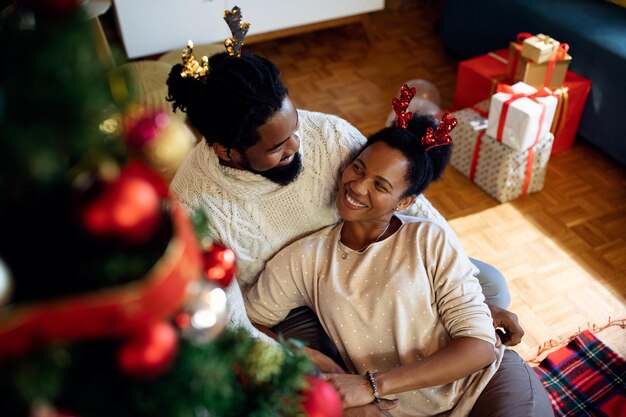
595, 31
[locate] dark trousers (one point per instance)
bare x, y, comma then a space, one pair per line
514, 390
302, 324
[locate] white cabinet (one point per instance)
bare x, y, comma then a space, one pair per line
150, 27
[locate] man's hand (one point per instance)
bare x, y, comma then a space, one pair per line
322, 362
371, 410
508, 329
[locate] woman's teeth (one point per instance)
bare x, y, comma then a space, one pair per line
354, 202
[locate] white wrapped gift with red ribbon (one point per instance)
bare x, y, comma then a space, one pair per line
520, 115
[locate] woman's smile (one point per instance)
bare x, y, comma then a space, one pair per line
353, 202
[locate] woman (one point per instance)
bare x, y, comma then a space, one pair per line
397, 294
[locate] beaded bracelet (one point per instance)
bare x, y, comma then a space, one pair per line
370, 376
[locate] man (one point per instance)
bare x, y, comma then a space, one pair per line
267, 174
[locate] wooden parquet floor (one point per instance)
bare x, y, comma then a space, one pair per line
562, 250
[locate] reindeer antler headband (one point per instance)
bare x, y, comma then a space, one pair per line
432, 137
440, 135
191, 66
199, 70
400, 106
237, 28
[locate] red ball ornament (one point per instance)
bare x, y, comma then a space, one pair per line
144, 128
127, 208
219, 265
321, 399
150, 352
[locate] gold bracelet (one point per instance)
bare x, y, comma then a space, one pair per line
370, 376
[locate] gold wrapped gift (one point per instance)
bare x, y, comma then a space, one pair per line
551, 73
539, 48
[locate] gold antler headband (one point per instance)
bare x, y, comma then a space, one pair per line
191, 66
237, 29
199, 70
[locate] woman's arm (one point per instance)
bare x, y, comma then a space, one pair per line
458, 359
320, 361
461, 310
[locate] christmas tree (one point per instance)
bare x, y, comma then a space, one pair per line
111, 299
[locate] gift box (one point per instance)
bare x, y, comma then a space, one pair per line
478, 77
514, 53
520, 115
571, 102
550, 73
503, 172
539, 48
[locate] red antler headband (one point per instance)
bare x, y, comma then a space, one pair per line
432, 138
439, 136
400, 106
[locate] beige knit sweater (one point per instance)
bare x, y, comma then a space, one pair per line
255, 217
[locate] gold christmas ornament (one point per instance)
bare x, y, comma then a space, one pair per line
191, 66
169, 147
263, 361
237, 29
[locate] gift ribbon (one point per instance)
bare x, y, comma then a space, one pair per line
499, 78
518, 51
115, 312
503, 88
476, 153
479, 139
560, 55
529, 170
561, 111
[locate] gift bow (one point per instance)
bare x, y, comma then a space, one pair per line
523, 35
544, 40
507, 89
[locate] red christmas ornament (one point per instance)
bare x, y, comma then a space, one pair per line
128, 208
219, 265
149, 353
144, 128
321, 399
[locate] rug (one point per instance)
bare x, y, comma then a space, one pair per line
585, 378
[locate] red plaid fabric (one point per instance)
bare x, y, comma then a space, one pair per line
585, 378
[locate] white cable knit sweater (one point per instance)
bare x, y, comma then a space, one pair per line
256, 217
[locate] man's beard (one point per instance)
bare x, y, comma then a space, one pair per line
279, 175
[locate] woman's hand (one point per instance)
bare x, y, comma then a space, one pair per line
504, 319
354, 390
322, 362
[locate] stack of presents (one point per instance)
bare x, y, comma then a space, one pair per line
515, 108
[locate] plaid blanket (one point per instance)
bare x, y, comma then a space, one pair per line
585, 378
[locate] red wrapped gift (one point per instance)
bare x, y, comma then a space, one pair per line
572, 97
477, 78
515, 52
